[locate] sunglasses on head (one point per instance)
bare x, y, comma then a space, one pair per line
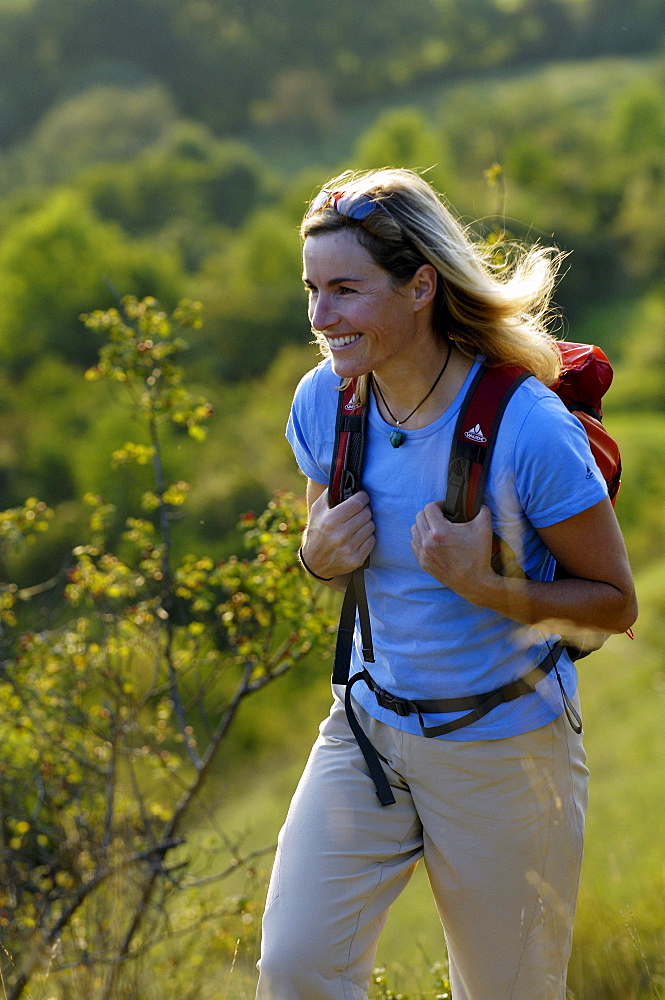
352, 206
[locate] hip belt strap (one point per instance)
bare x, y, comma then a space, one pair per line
475, 706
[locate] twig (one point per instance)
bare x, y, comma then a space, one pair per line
245, 688
167, 592
197, 883
79, 898
110, 789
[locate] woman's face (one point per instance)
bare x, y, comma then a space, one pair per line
370, 324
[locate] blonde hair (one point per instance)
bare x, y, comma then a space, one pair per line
498, 309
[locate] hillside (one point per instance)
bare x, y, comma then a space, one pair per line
167, 149
566, 152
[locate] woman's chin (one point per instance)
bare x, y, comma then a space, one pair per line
348, 367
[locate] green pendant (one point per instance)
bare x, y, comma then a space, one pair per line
397, 439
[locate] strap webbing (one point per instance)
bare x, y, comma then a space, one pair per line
475, 706
348, 454
355, 598
474, 438
371, 755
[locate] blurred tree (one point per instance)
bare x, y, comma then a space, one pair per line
223, 59
53, 262
637, 147
253, 298
104, 123
640, 507
189, 175
246, 456
619, 26
637, 126
301, 105
403, 138
640, 382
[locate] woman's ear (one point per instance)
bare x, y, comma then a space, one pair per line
423, 285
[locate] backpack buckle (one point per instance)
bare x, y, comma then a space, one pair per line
400, 706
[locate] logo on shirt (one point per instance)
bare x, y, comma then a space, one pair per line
475, 434
589, 473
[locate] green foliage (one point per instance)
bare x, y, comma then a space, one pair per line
227, 62
115, 711
403, 138
440, 988
140, 355
640, 380
189, 175
17, 525
253, 296
53, 263
105, 122
640, 505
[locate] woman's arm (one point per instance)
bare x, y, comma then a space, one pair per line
338, 539
598, 594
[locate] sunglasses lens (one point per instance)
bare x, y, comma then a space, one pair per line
357, 206
321, 200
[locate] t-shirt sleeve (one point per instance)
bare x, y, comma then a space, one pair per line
555, 473
301, 430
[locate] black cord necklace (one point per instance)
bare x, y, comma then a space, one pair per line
398, 437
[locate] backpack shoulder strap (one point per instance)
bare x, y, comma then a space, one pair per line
349, 447
474, 438
345, 480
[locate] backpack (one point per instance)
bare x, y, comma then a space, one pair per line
586, 375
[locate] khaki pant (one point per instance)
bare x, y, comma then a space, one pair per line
499, 824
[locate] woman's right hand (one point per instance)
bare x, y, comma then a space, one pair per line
337, 539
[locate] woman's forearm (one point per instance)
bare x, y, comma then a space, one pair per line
558, 605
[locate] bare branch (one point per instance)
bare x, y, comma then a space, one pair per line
152, 855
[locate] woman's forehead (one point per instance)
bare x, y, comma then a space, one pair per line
326, 251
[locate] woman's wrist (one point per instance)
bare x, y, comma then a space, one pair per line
323, 579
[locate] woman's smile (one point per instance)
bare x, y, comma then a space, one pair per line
336, 343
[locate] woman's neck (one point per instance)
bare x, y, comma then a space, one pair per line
407, 388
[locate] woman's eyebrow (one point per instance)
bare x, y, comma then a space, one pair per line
334, 281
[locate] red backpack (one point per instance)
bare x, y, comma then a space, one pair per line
586, 375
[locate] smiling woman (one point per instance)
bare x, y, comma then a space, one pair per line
406, 305
368, 322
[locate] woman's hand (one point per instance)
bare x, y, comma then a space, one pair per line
457, 555
598, 594
338, 539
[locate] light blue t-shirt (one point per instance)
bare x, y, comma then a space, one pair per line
428, 641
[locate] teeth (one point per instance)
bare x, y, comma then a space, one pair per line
343, 341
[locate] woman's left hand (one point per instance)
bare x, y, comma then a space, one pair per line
457, 555
597, 594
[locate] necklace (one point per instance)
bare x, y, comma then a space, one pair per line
398, 437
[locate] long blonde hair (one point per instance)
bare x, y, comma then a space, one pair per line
500, 310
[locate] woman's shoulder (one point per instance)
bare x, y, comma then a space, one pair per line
537, 425
315, 401
534, 401
319, 381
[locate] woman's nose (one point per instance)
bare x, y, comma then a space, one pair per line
322, 316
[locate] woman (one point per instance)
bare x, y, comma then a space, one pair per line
400, 295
